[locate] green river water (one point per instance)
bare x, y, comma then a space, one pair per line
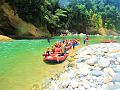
21, 62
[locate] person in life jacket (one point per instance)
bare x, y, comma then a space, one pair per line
86, 40
53, 48
47, 51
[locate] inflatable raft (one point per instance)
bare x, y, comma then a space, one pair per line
109, 41
54, 58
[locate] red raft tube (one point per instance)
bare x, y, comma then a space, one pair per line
54, 58
109, 41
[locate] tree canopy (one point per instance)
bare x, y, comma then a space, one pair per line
75, 15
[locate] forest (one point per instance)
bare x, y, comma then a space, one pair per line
79, 16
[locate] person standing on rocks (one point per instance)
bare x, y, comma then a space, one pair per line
86, 40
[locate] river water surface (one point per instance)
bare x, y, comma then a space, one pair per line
21, 63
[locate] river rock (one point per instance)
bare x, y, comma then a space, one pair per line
118, 59
96, 73
116, 78
106, 80
69, 88
104, 86
64, 76
91, 61
103, 62
81, 88
109, 71
74, 84
88, 77
113, 87
98, 69
117, 68
79, 60
65, 83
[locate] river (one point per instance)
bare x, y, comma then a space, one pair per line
21, 63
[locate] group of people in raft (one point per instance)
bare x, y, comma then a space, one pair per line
61, 47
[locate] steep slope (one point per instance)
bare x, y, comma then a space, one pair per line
11, 25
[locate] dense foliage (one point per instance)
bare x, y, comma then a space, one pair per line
75, 15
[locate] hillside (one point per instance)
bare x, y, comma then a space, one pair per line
42, 18
13, 26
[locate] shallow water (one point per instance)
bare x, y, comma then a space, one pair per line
21, 62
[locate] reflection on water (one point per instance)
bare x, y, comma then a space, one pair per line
21, 62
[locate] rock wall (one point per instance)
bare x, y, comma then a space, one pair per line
11, 25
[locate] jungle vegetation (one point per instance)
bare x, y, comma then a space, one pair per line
74, 15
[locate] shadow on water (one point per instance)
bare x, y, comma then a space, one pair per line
53, 62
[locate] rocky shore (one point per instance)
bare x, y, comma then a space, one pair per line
4, 38
97, 67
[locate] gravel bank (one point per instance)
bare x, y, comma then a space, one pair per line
97, 68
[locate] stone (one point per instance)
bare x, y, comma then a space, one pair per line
76, 89
76, 57
81, 88
103, 62
106, 80
65, 84
88, 77
105, 86
116, 78
116, 62
79, 60
109, 71
69, 88
113, 87
118, 59
117, 68
74, 84
91, 61
96, 73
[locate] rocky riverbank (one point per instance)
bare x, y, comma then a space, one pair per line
97, 68
4, 38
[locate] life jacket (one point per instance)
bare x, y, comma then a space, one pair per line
86, 38
58, 50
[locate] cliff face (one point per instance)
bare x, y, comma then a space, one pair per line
12, 25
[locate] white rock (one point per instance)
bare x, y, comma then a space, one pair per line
81, 88
96, 73
118, 59
76, 89
103, 62
117, 68
56, 88
116, 62
69, 88
76, 56
74, 84
88, 77
64, 76
116, 78
105, 86
91, 61
65, 84
109, 71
